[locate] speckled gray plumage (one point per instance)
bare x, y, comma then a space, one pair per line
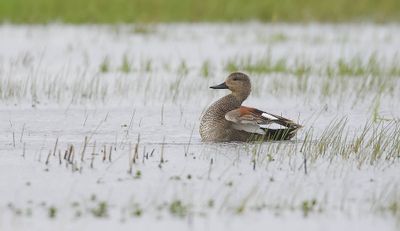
215, 128
213, 125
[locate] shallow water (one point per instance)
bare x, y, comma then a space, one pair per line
54, 91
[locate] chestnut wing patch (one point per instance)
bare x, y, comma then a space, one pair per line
253, 120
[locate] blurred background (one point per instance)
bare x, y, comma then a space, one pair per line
128, 11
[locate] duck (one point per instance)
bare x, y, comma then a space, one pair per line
226, 120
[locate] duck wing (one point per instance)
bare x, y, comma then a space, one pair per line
256, 121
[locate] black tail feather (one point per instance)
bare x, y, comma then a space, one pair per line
280, 134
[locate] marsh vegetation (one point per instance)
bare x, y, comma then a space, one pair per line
104, 125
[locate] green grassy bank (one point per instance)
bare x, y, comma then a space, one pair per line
117, 11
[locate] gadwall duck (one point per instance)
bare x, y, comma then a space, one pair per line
226, 120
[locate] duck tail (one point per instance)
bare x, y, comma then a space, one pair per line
282, 133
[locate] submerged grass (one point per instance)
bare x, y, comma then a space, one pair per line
374, 144
264, 170
377, 141
350, 79
338, 147
263, 65
353, 67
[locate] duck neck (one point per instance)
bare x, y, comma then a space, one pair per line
240, 96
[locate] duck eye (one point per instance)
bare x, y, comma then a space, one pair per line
235, 79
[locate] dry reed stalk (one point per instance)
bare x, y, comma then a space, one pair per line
85, 142
55, 147
48, 157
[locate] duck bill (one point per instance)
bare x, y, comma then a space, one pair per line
220, 86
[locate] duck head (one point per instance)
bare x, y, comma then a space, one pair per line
238, 83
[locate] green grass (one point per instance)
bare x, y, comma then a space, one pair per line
257, 66
117, 11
